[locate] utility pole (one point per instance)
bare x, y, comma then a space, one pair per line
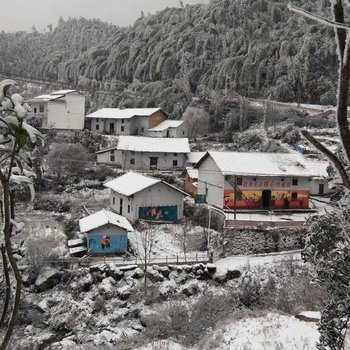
235, 198
209, 223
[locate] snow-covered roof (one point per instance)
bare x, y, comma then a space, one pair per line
101, 218
62, 92
195, 157
262, 164
167, 124
318, 168
131, 183
125, 113
151, 144
51, 96
106, 150
44, 98
192, 172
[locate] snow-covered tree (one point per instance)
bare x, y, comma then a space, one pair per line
16, 139
196, 120
328, 243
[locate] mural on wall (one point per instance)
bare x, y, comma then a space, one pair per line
164, 213
253, 199
107, 243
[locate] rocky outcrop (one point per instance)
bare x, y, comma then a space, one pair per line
47, 279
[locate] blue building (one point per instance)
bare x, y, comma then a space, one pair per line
106, 232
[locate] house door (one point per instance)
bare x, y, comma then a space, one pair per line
266, 199
167, 133
321, 189
111, 128
153, 162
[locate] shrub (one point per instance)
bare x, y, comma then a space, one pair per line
39, 254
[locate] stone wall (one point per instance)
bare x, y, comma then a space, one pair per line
257, 241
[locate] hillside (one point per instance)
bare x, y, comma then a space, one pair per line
255, 48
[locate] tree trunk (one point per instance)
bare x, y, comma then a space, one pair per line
7, 283
8, 246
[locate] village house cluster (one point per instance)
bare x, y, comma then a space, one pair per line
146, 140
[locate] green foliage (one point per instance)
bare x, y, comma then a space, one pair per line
67, 159
327, 247
250, 289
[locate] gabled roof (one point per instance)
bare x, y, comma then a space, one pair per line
152, 144
51, 96
192, 172
124, 113
131, 183
63, 92
195, 157
101, 218
167, 124
261, 164
44, 98
106, 150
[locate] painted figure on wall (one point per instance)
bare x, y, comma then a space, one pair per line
105, 242
166, 213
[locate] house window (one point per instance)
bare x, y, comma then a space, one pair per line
35, 110
175, 162
132, 152
129, 208
41, 108
113, 200
112, 151
97, 120
142, 129
294, 196
183, 133
175, 154
239, 181
122, 128
295, 181
112, 157
97, 127
132, 161
238, 195
122, 121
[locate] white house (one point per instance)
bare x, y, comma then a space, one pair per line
106, 232
127, 121
144, 153
63, 109
169, 128
142, 197
259, 180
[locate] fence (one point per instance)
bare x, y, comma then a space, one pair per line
178, 259
263, 224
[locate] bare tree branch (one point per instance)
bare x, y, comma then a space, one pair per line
317, 18
331, 156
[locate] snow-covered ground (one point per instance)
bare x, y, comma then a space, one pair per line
270, 332
240, 261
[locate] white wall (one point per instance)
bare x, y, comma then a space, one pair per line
139, 125
178, 132
67, 112
211, 182
142, 160
157, 195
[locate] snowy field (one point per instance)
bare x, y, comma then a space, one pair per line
242, 261
270, 332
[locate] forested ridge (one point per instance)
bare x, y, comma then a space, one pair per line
254, 48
